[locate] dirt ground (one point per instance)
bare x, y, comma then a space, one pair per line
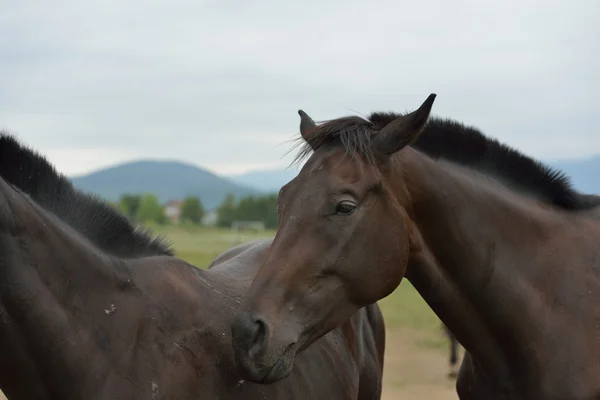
415, 372
412, 371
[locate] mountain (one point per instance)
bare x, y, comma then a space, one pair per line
585, 173
266, 180
169, 180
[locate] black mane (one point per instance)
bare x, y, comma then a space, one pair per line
91, 216
467, 146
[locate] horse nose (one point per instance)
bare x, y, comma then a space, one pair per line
257, 337
261, 354
250, 335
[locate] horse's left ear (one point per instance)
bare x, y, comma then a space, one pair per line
307, 125
403, 130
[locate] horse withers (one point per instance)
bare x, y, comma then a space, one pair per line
92, 308
500, 246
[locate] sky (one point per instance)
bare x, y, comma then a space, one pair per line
218, 83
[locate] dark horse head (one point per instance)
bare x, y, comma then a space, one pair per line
346, 227
305, 288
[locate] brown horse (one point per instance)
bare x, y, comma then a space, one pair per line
91, 308
495, 242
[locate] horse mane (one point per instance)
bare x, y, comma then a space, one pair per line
463, 145
353, 133
88, 214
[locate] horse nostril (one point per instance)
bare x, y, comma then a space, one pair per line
260, 333
250, 336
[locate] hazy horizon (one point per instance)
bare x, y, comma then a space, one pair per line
274, 169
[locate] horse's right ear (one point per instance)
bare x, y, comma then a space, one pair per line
403, 130
307, 125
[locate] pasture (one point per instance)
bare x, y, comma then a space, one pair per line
416, 363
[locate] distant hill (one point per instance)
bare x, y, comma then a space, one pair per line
266, 180
169, 180
585, 173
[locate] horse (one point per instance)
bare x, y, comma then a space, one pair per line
92, 307
500, 246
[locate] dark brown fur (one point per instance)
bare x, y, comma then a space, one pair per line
508, 259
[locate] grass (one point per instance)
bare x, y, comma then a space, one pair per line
199, 245
403, 308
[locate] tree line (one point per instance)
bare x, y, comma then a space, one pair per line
147, 208
250, 208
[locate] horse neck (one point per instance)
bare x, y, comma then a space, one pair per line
472, 256
52, 288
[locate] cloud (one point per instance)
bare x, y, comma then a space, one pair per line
218, 83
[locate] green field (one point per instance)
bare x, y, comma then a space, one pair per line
403, 308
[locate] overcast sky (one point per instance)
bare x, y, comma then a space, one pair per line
218, 83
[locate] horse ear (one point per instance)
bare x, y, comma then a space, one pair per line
307, 125
403, 130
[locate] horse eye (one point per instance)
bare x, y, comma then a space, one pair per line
345, 207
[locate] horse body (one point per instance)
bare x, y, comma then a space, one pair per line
213, 374
500, 247
79, 322
525, 279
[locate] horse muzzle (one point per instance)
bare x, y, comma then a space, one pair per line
260, 357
